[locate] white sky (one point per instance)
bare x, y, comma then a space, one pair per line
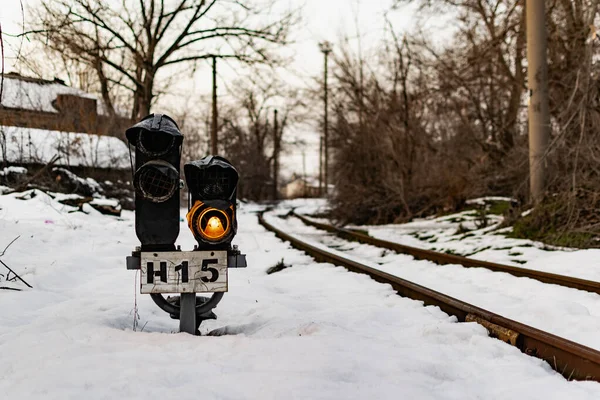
322, 20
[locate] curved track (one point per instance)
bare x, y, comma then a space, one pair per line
443, 258
572, 360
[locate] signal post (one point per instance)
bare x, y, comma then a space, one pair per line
212, 187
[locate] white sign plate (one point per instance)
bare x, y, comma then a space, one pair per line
183, 271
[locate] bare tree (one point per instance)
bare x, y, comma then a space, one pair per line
387, 162
483, 69
442, 124
128, 43
248, 136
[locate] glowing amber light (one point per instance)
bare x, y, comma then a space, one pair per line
209, 223
214, 228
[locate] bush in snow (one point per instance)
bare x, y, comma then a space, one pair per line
13, 175
74, 184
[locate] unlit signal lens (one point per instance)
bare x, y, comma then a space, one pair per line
157, 181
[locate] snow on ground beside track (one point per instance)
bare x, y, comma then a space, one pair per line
312, 331
304, 206
482, 201
458, 234
490, 244
569, 313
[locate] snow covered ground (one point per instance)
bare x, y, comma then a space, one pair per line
459, 234
29, 145
312, 331
446, 234
569, 313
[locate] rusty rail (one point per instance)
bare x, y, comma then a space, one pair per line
570, 359
443, 258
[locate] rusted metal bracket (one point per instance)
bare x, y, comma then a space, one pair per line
499, 332
134, 261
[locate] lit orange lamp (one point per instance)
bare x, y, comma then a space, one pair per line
212, 224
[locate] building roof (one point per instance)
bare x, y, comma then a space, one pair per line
34, 94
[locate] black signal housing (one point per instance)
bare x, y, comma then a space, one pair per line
212, 184
157, 141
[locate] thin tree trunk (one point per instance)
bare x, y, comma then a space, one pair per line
509, 132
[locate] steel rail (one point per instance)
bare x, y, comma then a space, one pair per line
570, 359
443, 258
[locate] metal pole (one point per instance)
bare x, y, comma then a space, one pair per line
187, 313
326, 130
304, 174
321, 166
325, 48
539, 114
215, 115
275, 154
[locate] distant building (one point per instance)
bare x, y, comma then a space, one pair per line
52, 105
299, 186
41, 120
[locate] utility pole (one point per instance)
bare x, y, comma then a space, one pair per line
304, 191
325, 48
275, 154
539, 114
321, 166
215, 115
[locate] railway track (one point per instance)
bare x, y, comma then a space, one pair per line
572, 360
443, 258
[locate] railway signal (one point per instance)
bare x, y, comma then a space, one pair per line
212, 183
157, 142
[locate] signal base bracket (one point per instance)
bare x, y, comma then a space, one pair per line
134, 261
236, 261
